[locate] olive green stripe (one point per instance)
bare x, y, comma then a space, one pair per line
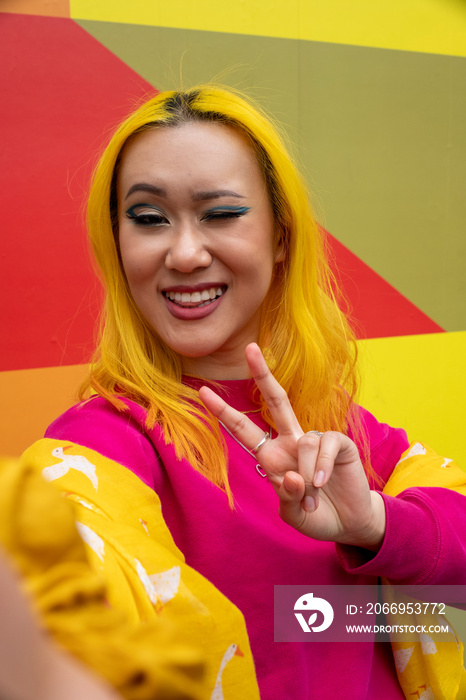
381, 135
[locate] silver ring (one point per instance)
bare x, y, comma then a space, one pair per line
260, 444
314, 432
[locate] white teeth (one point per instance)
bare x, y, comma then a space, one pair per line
195, 297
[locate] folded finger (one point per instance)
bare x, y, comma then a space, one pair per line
318, 456
309, 446
330, 446
291, 494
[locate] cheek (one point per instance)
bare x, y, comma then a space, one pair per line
140, 261
257, 274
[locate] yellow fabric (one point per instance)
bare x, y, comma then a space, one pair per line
135, 565
137, 568
427, 669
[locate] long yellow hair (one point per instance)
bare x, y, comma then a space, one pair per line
305, 336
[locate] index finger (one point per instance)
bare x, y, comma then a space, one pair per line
274, 395
239, 425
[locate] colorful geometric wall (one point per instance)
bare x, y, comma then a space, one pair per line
373, 97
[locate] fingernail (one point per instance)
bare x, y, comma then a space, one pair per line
309, 504
319, 478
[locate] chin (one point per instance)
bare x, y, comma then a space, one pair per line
194, 355
190, 351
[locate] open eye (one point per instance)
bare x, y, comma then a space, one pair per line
145, 215
224, 213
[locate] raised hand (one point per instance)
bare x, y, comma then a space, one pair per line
320, 481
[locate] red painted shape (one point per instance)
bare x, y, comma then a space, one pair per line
62, 93
376, 308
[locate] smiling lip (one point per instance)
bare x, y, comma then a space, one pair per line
190, 303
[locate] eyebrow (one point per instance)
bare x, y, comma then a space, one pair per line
197, 196
145, 187
215, 194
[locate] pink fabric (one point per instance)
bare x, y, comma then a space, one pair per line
245, 552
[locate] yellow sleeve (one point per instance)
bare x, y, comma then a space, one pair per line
434, 668
110, 583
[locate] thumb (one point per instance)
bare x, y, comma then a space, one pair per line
291, 494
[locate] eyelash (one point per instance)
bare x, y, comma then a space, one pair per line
154, 218
220, 214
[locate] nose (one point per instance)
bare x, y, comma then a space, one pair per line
187, 250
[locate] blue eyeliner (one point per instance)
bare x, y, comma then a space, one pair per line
235, 210
224, 213
145, 215
150, 216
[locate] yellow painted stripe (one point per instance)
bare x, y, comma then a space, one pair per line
428, 26
31, 400
419, 383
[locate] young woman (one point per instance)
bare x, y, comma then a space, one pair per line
219, 297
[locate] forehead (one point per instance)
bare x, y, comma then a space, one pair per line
200, 151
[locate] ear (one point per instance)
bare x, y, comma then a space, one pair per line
280, 250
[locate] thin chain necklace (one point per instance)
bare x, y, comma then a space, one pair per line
258, 466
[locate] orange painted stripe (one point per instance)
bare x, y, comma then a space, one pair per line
49, 8
31, 400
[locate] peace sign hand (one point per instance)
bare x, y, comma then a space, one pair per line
320, 481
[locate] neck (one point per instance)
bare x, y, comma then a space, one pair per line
215, 369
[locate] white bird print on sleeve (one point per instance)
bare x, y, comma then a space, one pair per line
92, 539
166, 584
159, 587
233, 650
416, 449
77, 462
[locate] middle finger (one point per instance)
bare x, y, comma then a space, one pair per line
274, 395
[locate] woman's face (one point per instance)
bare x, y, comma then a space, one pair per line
196, 234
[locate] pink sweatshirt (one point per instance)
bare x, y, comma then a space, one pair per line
246, 551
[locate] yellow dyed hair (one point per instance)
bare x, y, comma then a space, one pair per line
307, 341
